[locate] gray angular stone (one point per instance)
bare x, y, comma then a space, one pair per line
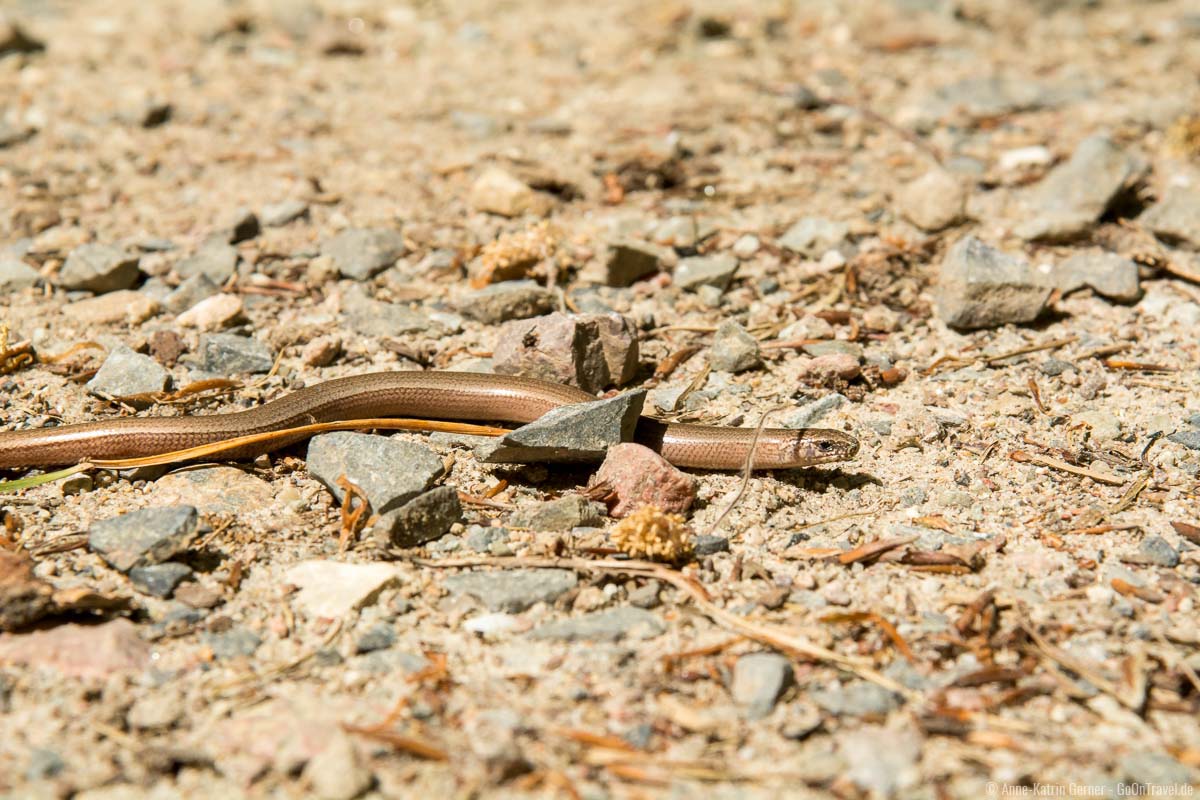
379, 636
235, 643
375, 318
227, 354
697, 271
758, 681
814, 236
1156, 551
125, 373
706, 545
426, 517
879, 760
856, 698
506, 300
617, 623
189, 292
1176, 217
629, 260
733, 349
390, 472
513, 590
215, 260
276, 215
15, 274
982, 287
581, 432
562, 514
145, 537
1109, 274
98, 268
243, 225
1075, 194
360, 253
159, 580
1189, 439
1053, 367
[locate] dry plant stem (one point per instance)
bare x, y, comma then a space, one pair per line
1021, 456
1084, 670
764, 634
746, 473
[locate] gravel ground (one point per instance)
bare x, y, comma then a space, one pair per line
964, 232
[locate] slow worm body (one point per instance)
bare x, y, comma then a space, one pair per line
435, 395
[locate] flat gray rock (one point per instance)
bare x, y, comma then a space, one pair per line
390, 472
372, 317
856, 699
125, 373
629, 260
142, 538
1109, 274
758, 680
159, 580
98, 268
515, 590
1076, 193
982, 287
581, 432
1176, 218
505, 301
426, 517
562, 514
716, 271
15, 274
227, 354
277, 215
215, 260
814, 236
360, 253
612, 625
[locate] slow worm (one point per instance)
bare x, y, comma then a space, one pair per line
437, 395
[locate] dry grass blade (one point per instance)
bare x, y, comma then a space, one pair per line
1081, 668
399, 741
1022, 457
764, 634
873, 550
291, 435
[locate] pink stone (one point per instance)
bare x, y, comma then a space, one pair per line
639, 476
79, 651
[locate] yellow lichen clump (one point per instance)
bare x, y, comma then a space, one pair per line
652, 533
512, 255
1183, 137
